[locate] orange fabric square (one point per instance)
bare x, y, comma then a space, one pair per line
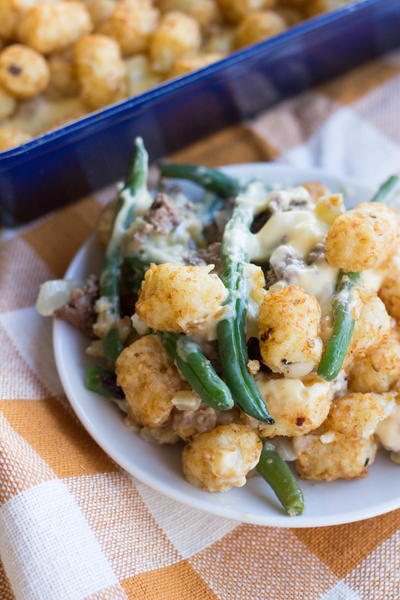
177, 582
57, 238
57, 436
344, 546
352, 86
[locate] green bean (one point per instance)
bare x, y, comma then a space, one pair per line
212, 180
278, 475
231, 330
103, 382
110, 278
388, 190
133, 269
343, 325
197, 370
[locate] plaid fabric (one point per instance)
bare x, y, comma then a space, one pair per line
72, 525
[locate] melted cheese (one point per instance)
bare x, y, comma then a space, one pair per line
300, 229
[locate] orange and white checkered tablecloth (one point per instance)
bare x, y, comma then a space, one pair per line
73, 526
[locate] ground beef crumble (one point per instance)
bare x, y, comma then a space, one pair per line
79, 310
162, 215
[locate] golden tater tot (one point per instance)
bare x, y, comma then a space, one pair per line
186, 64
356, 416
11, 136
390, 289
204, 11
101, 71
340, 459
257, 27
388, 431
289, 326
149, 379
8, 104
379, 370
297, 406
219, 39
63, 74
372, 323
178, 298
139, 76
24, 73
291, 16
131, 24
236, 10
11, 12
100, 10
362, 238
177, 35
51, 27
221, 458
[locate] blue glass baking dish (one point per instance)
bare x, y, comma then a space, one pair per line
67, 163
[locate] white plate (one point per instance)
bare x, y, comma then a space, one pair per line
159, 466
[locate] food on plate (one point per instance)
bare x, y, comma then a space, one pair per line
224, 323
62, 59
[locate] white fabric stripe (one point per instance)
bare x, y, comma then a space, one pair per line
32, 335
340, 591
379, 572
189, 530
348, 144
47, 548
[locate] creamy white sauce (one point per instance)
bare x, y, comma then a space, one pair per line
300, 229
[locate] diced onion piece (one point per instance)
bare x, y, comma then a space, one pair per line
186, 400
54, 294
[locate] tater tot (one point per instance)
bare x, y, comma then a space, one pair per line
340, 459
372, 323
390, 289
220, 459
388, 431
186, 64
291, 16
257, 27
11, 12
177, 35
149, 380
131, 24
204, 11
297, 406
8, 104
100, 10
11, 136
101, 71
24, 73
236, 10
139, 76
219, 39
63, 74
177, 298
362, 238
379, 370
329, 207
289, 327
356, 416
51, 27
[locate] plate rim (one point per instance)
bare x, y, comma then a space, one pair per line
146, 477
